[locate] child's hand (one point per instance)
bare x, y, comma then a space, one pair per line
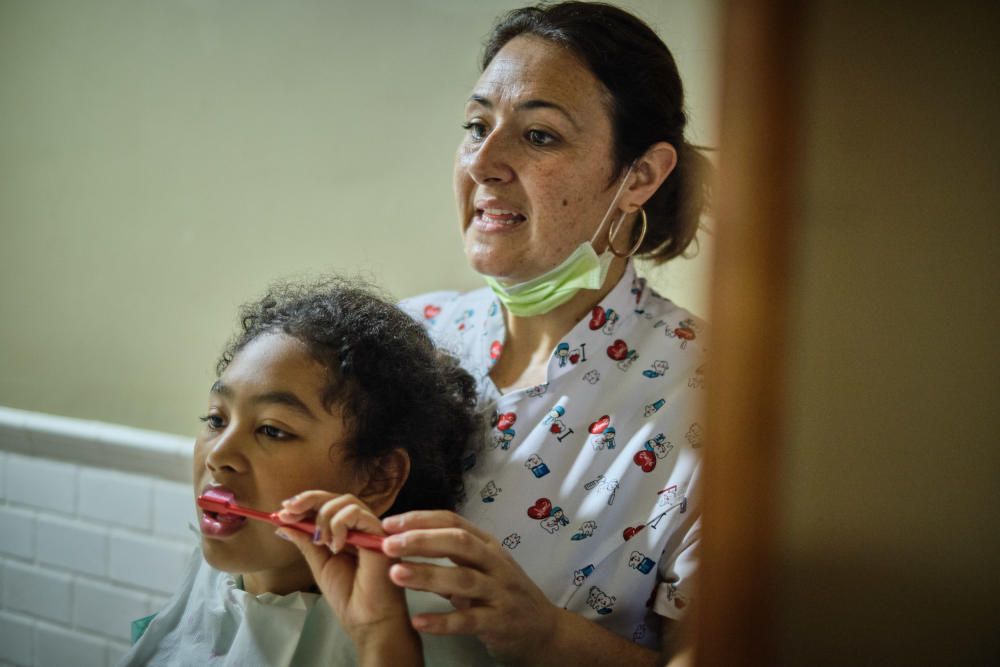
354, 581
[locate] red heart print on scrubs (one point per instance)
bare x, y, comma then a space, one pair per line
540, 509
600, 425
597, 318
495, 349
430, 312
618, 351
632, 531
645, 460
506, 420
555, 428
575, 357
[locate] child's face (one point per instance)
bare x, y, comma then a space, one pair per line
268, 437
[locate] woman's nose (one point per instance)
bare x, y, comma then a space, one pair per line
490, 161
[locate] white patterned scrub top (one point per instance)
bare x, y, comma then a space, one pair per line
588, 479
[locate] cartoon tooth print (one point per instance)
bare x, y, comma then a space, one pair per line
605, 320
490, 492
574, 356
431, 312
582, 573
537, 466
592, 376
653, 407
697, 381
549, 517
503, 438
604, 484
657, 369
695, 435
602, 434
600, 601
511, 541
685, 330
537, 390
656, 447
587, 529
557, 426
641, 562
680, 600
464, 321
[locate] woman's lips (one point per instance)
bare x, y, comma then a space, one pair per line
496, 219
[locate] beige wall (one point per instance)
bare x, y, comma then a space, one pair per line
889, 538
161, 162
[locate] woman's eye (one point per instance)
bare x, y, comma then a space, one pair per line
274, 432
214, 422
476, 130
540, 138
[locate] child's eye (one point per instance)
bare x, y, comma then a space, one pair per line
476, 130
214, 422
274, 432
540, 138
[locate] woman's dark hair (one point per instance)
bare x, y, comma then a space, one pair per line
396, 389
646, 100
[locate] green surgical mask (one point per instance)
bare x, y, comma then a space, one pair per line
583, 269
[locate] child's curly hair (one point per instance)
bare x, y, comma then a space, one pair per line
397, 390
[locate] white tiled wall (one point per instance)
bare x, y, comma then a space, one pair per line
93, 534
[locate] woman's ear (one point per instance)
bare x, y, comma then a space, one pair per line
650, 170
385, 480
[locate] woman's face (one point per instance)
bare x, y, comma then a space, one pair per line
533, 175
267, 437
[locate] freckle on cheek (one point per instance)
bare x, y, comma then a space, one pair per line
565, 202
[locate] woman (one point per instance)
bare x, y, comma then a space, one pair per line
576, 538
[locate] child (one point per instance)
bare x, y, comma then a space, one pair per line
334, 398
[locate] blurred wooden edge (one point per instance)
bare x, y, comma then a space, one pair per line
755, 222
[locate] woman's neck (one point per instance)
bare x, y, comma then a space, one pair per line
530, 340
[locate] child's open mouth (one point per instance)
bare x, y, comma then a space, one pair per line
214, 524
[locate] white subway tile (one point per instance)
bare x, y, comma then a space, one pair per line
116, 652
173, 510
72, 545
41, 483
55, 647
15, 639
148, 562
37, 591
17, 532
116, 498
147, 452
106, 609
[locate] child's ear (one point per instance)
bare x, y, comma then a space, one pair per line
385, 480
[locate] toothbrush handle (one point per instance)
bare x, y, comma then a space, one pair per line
355, 537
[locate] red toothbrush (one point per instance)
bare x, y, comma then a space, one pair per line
221, 502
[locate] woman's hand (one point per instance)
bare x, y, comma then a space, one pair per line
494, 598
354, 581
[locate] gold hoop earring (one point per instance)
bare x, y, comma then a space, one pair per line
613, 231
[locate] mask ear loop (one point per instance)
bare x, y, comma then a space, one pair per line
613, 232
614, 201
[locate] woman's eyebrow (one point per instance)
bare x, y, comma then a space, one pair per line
526, 105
